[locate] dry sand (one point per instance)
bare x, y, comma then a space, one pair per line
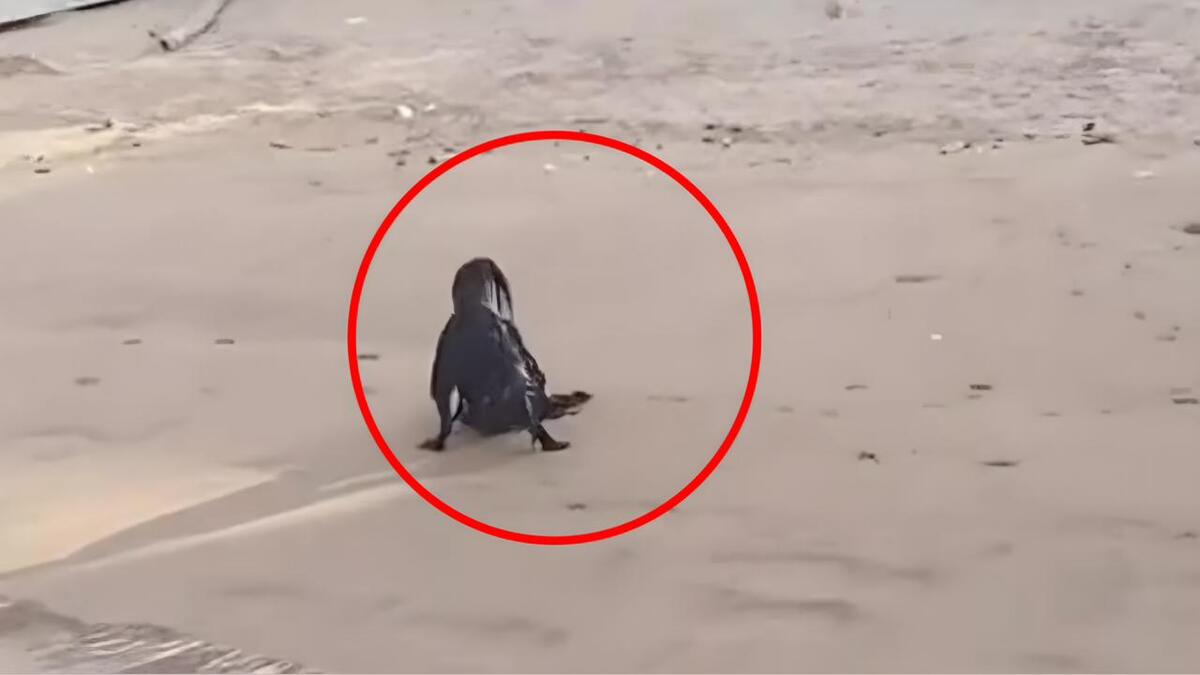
974, 443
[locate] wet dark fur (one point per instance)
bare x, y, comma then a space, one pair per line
481, 355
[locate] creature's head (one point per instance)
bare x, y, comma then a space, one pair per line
481, 283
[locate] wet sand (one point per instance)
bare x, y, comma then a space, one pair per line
972, 444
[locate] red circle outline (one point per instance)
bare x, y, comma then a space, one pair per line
755, 356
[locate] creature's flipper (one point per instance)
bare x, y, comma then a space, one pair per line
443, 388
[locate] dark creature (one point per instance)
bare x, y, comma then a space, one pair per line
482, 373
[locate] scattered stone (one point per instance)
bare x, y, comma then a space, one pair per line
549, 168
132, 341
1139, 315
87, 381
1188, 534
1093, 137
981, 387
855, 387
223, 341
727, 141
373, 140
368, 357
576, 506
1191, 228
102, 126
1143, 174
834, 9
356, 20
432, 159
707, 139
711, 126
429, 107
405, 112
42, 170
786, 409
1001, 463
279, 145
1185, 400
868, 456
957, 146
1077, 292
916, 278
936, 337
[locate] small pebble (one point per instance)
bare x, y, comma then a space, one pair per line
42, 170
405, 112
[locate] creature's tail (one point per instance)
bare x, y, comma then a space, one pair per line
480, 282
567, 404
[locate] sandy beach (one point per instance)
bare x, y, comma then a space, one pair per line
973, 445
